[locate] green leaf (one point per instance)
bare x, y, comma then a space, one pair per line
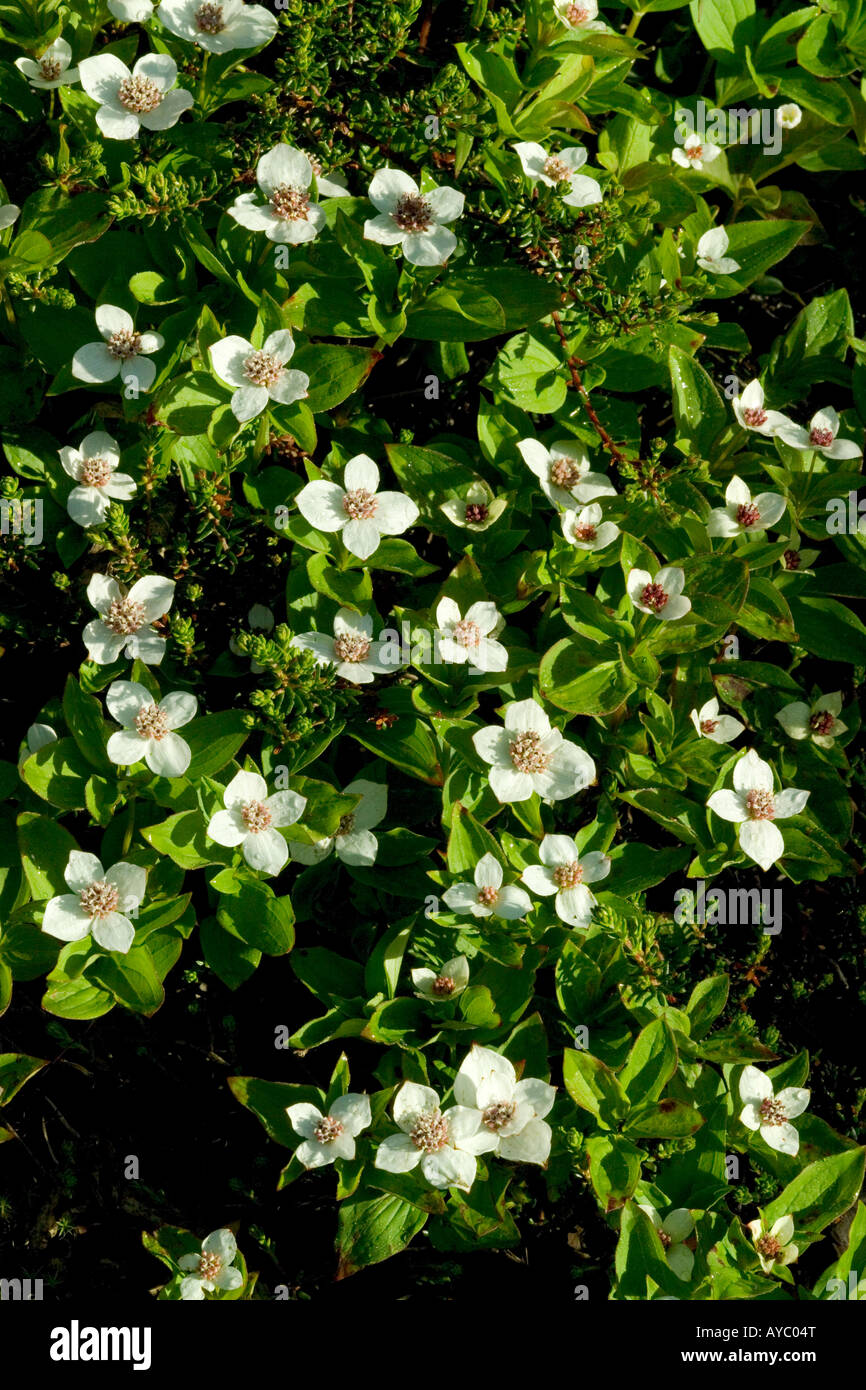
529, 375
261, 919
182, 837
821, 1193
650, 1064
335, 372
706, 1002
83, 715
594, 1087
614, 1169
699, 410
59, 773
669, 1119
572, 680
45, 849
228, 957
131, 978
15, 1069
214, 740
372, 1229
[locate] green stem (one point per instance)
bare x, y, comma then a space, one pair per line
633, 23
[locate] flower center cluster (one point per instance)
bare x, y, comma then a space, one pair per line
256, 816
99, 899
709, 726
761, 805
499, 1114
585, 532
564, 473
139, 95
95, 472
568, 875
467, 634
209, 1265
347, 824
772, 1112
430, 1131
557, 169
822, 439
487, 896
413, 213
152, 722
475, 513
442, 986
290, 204
694, 152
263, 369
792, 559
359, 504
327, 1130
527, 754
50, 68
755, 416
665, 1239
576, 14
209, 19
822, 722
768, 1246
654, 597
124, 344
124, 617
351, 647
748, 514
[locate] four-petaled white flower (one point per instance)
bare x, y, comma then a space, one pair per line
586, 530
817, 721
774, 1244
564, 872
351, 649
219, 27
712, 255
98, 903
147, 731
442, 1143
146, 96
512, 1111
662, 596
438, 986
578, 14
212, 1269
744, 514
123, 350
556, 169
528, 755
719, 728
564, 473
9, 212
470, 639
251, 818
357, 509
771, 1114
51, 69
93, 465
754, 806
353, 840
259, 375
672, 1232
789, 116
411, 219
695, 152
821, 435
476, 509
125, 619
284, 176
750, 412
486, 897
332, 1136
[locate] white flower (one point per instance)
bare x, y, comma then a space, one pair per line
129, 100
353, 841
711, 251
250, 819
528, 755
581, 257
821, 435
351, 649
132, 11
259, 375
754, 806
661, 596
438, 986
39, 736
332, 1136
219, 27
720, 728
411, 219
123, 349
8, 214
764, 1111
578, 14
750, 412
98, 903
486, 897
695, 152
125, 619
470, 639
556, 169
212, 1268
562, 871
743, 513
794, 557
147, 728
564, 473
586, 530
774, 1244
93, 466
51, 69
284, 176
362, 514
476, 509
789, 116
818, 721
672, 1232
512, 1111
443, 1143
